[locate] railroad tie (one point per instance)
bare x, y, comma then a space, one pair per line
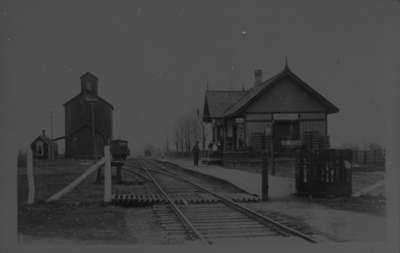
144, 200
198, 199
141, 199
124, 200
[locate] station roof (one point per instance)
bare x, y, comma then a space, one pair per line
217, 101
44, 138
252, 94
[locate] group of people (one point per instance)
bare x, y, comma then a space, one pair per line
213, 148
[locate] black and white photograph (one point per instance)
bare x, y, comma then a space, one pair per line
200, 125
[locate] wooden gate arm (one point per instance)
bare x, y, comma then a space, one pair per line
77, 181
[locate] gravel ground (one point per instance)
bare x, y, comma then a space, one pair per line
326, 224
144, 226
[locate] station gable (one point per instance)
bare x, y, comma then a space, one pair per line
284, 92
286, 96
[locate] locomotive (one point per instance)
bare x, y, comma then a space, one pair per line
119, 149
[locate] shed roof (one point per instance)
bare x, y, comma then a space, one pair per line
217, 101
254, 93
88, 76
45, 139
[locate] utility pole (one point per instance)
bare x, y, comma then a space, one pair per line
30, 175
167, 145
51, 146
231, 77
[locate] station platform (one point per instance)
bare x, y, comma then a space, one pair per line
279, 187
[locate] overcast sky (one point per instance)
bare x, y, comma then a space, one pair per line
153, 59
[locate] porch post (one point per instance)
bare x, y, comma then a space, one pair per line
264, 177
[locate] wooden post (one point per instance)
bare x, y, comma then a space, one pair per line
119, 173
264, 177
30, 175
107, 174
272, 152
98, 176
272, 157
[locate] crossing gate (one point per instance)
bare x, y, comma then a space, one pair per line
324, 173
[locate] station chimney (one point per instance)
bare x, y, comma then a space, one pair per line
257, 77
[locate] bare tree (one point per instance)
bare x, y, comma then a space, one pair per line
187, 131
373, 146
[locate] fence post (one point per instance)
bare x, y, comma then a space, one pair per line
107, 174
30, 175
264, 177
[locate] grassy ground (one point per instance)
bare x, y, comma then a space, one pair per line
94, 223
80, 215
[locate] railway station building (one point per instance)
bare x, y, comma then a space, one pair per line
88, 121
283, 106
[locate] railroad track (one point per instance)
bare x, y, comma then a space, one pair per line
207, 222
179, 191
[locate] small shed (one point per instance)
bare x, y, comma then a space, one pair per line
44, 148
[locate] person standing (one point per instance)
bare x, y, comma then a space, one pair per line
196, 154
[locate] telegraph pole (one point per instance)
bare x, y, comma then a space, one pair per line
51, 146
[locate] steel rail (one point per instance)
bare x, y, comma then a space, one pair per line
176, 209
264, 219
132, 172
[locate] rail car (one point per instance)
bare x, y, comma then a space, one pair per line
119, 149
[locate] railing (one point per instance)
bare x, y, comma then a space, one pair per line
369, 157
